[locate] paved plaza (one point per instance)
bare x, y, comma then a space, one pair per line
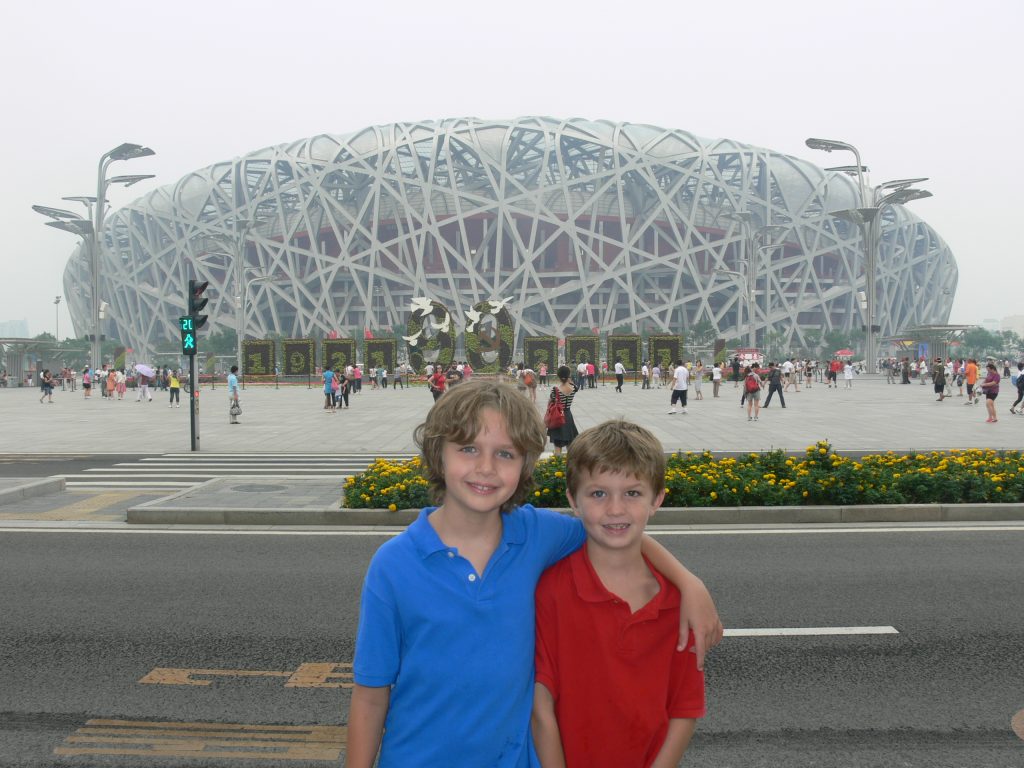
872, 416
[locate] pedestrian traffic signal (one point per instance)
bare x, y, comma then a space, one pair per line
196, 302
188, 335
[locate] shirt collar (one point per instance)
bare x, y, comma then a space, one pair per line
590, 589
427, 542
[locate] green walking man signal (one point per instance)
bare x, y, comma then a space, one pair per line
188, 335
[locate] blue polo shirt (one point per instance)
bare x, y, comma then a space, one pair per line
457, 647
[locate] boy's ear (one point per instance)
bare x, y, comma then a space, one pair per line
657, 502
572, 501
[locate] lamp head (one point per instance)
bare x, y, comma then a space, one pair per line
827, 145
129, 152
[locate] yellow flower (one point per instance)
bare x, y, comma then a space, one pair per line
805, 494
714, 495
392, 507
536, 493
559, 474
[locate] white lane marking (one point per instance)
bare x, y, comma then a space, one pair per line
809, 631
791, 531
23, 526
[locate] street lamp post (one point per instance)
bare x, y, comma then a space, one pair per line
868, 219
243, 299
56, 319
748, 288
90, 230
752, 248
122, 152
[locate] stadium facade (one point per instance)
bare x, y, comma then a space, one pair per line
574, 225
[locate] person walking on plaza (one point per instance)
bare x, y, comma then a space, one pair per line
342, 386
971, 377
46, 385
834, 367
991, 389
774, 385
1020, 390
234, 406
645, 376
529, 379
752, 389
111, 384
787, 375
357, 374
808, 374
437, 383
328, 377
396, 380
143, 388
680, 383
848, 375
939, 379
735, 371
716, 379
121, 383
698, 378
905, 371
656, 376
543, 373
87, 382
174, 387
620, 375
563, 436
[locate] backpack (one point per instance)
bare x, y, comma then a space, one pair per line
528, 378
751, 384
554, 417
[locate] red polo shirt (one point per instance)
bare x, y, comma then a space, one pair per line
615, 676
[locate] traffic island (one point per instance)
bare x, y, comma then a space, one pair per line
286, 500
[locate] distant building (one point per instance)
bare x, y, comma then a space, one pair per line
1013, 323
14, 329
991, 324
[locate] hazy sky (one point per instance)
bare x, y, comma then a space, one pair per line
921, 88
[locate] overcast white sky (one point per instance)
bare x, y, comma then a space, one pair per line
922, 88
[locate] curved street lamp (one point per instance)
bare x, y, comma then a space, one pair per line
868, 218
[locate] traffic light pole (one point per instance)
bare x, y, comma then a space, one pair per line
193, 403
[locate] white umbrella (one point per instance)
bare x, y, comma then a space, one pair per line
145, 370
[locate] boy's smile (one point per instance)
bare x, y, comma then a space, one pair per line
482, 475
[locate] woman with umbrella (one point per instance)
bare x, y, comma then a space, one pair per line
145, 374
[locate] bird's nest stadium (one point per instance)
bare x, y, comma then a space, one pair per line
573, 225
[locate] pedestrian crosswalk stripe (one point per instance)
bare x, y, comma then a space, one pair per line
180, 471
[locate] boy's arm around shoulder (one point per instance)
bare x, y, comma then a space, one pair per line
366, 716
697, 611
547, 739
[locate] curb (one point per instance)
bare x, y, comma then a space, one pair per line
31, 488
327, 516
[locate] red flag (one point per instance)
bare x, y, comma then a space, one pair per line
367, 333
332, 335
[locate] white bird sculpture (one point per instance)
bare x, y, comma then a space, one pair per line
444, 325
421, 305
498, 305
413, 340
474, 317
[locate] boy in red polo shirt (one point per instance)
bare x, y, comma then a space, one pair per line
611, 689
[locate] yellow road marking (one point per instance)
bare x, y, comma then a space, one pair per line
318, 675
179, 739
91, 505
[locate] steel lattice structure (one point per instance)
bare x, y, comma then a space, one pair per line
578, 224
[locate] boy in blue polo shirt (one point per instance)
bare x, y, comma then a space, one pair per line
444, 654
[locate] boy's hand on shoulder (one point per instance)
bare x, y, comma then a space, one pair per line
699, 615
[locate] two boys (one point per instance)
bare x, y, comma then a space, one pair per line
443, 669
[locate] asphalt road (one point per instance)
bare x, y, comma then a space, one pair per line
121, 642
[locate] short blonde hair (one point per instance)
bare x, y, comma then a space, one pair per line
455, 418
617, 446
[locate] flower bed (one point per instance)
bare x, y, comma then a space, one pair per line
768, 479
